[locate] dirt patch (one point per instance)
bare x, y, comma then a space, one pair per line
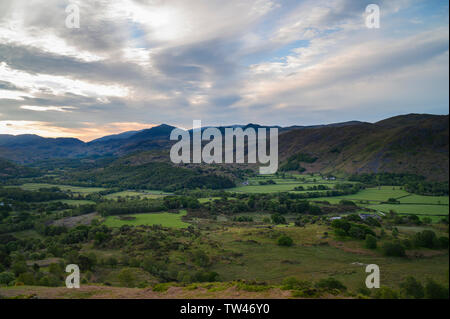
76, 221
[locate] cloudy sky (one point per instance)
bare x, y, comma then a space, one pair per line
133, 64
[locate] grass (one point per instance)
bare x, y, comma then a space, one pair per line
286, 184
312, 259
143, 194
376, 194
419, 199
165, 219
279, 187
27, 234
73, 189
74, 202
427, 210
212, 199
431, 206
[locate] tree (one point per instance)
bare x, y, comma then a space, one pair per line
371, 242
331, 283
201, 258
394, 250
395, 232
433, 290
412, 288
285, 241
386, 293
19, 267
6, 278
426, 238
127, 277
278, 219
443, 242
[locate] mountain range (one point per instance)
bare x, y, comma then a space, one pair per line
413, 143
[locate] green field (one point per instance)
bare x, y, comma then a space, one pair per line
376, 194
211, 199
164, 219
412, 209
286, 184
142, 194
74, 202
73, 189
432, 206
419, 199
279, 187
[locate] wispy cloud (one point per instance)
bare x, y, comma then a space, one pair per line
274, 62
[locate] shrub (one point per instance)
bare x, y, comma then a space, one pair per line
345, 202
331, 283
278, 219
412, 288
306, 293
385, 293
371, 242
160, 287
200, 258
27, 278
360, 231
6, 278
426, 238
285, 241
207, 276
433, 290
127, 277
363, 290
292, 283
443, 242
394, 250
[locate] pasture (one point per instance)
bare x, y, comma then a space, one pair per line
312, 258
164, 219
141, 194
65, 188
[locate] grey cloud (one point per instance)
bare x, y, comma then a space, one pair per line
8, 86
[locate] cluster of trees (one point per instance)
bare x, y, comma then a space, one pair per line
293, 162
17, 216
146, 205
268, 182
278, 203
428, 239
243, 219
155, 175
10, 171
390, 179
312, 188
113, 207
428, 188
18, 194
345, 228
411, 182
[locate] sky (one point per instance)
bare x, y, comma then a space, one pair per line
134, 64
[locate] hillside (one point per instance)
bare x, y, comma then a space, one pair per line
148, 170
29, 148
412, 143
11, 170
